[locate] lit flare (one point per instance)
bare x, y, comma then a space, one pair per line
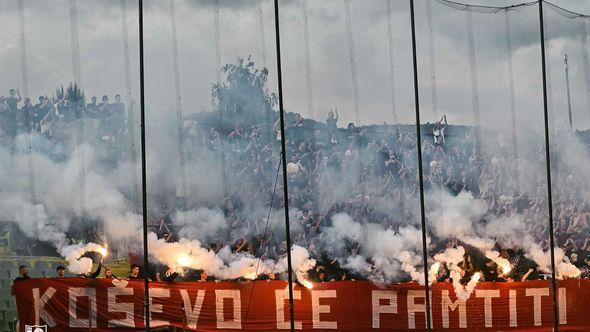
184, 260
306, 283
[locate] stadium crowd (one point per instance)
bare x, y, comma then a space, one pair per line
368, 172
21, 115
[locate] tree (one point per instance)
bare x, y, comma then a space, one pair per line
72, 101
244, 94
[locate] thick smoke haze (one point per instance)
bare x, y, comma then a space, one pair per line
50, 213
49, 59
193, 180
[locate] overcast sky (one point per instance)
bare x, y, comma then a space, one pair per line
49, 56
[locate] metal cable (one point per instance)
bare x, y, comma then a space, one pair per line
483, 8
23, 48
355, 83
309, 85
509, 56
79, 122
217, 41
178, 99
420, 168
391, 61
548, 167
272, 199
217, 47
262, 31
432, 61
585, 63
284, 164
474, 82
552, 119
129, 102
565, 12
143, 169
25, 87
75, 42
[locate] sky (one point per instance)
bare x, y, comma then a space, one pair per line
247, 29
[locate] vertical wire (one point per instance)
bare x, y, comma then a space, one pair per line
355, 83
178, 99
125, 32
474, 81
130, 110
217, 47
553, 115
512, 93
284, 164
217, 41
420, 166
25, 86
551, 110
268, 115
23, 48
391, 61
585, 63
309, 85
548, 167
262, 31
75, 42
431, 59
143, 170
308, 80
79, 122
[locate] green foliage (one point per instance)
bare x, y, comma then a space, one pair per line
59, 93
245, 91
73, 94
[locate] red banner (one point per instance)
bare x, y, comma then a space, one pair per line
64, 305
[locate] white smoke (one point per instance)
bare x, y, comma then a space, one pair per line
189, 254
32, 219
409, 262
476, 228
502, 262
183, 254
242, 265
453, 216
359, 264
564, 268
300, 262
433, 272
389, 251
342, 231
200, 224
73, 255
508, 231
451, 258
48, 215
